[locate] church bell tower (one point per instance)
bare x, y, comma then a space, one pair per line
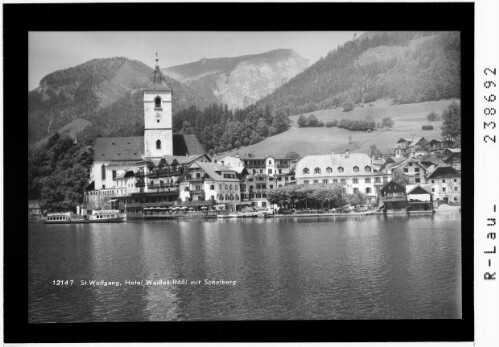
158, 133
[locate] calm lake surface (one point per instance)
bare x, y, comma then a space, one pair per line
368, 267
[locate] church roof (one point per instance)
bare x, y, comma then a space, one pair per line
119, 148
186, 144
132, 148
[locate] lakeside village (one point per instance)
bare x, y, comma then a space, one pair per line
164, 175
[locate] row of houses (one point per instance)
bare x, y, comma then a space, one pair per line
239, 181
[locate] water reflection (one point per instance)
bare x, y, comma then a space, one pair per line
371, 267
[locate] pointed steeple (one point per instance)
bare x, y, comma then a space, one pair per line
158, 79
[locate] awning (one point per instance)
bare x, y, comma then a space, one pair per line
113, 200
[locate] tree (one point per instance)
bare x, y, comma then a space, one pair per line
312, 120
387, 122
347, 106
356, 199
246, 141
302, 121
280, 122
451, 128
432, 116
237, 144
329, 124
400, 178
293, 155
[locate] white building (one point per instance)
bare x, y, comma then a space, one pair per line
446, 184
210, 182
354, 171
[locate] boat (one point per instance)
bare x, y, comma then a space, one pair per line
107, 216
64, 218
102, 216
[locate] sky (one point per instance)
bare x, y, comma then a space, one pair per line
52, 51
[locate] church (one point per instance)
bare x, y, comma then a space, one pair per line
122, 165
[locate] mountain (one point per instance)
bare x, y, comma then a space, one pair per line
105, 92
239, 81
408, 67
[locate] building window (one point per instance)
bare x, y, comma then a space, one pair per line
432, 181
455, 189
158, 144
355, 190
329, 170
340, 169
443, 181
455, 179
377, 180
406, 170
114, 174
443, 189
317, 170
316, 181
343, 180
103, 172
410, 164
271, 186
305, 182
306, 171
355, 169
270, 162
324, 181
157, 102
417, 180
416, 169
335, 180
368, 190
270, 171
433, 190
368, 180
261, 171
355, 180
367, 168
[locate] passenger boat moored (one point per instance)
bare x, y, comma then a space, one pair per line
107, 216
102, 216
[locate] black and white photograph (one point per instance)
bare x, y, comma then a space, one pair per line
264, 175
320, 181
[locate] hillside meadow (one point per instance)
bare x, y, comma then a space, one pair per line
408, 119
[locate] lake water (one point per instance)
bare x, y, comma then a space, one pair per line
367, 267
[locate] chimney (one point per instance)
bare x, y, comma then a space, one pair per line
347, 153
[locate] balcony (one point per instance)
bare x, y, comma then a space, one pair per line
140, 184
196, 179
194, 191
